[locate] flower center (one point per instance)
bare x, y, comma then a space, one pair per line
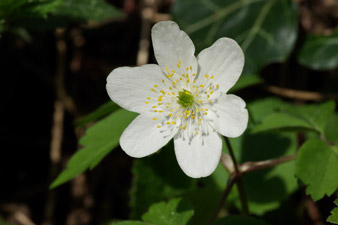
185, 98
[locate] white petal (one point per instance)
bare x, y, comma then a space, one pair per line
200, 156
228, 115
172, 45
224, 60
129, 87
142, 137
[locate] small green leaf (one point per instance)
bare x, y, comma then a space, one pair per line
99, 140
334, 214
239, 220
246, 81
266, 30
320, 52
317, 167
174, 212
99, 113
84, 10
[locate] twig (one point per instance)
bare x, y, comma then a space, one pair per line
313, 211
300, 95
251, 166
231, 181
239, 182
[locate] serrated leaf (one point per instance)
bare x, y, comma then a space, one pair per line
99, 113
99, 140
266, 30
333, 218
246, 81
84, 10
156, 178
174, 212
320, 52
239, 220
317, 167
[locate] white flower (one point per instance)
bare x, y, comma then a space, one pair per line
183, 97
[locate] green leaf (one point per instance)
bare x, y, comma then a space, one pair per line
246, 81
317, 167
174, 212
99, 140
309, 117
99, 113
156, 178
320, 52
279, 121
334, 214
84, 10
238, 220
266, 30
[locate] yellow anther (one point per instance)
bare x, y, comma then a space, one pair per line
168, 122
187, 75
162, 92
197, 110
158, 126
187, 68
154, 107
173, 93
211, 92
206, 75
202, 86
155, 110
205, 92
147, 102
174, 122
199, 123
155, 85
200, 119
179, 62
153, 89
208, 96
166, 69
170, 88
173, 71
170, 114
159, 103
178, 65
210, 87
197, 132
173, 83
148, 98
201, 109
193, 117
206, 109
210, 101
160, 111
180, 78
154, 118
217, 86
205, 113
194, 74
200, 101
212, 77
188, 80
190, 67
167, 106
162, 81
194, 81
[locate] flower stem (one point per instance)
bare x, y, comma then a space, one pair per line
239, 183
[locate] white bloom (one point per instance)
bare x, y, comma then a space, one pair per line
183, 97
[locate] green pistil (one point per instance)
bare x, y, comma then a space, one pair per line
185, 98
